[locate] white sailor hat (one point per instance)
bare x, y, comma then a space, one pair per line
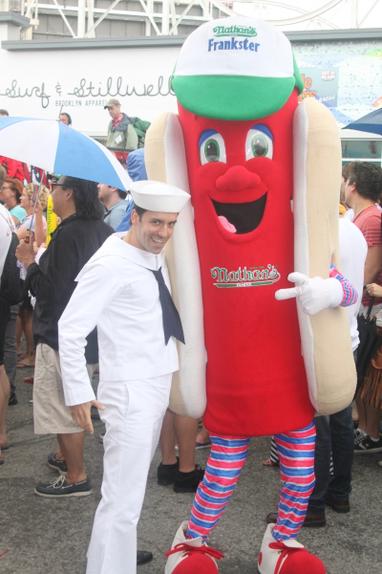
158, 196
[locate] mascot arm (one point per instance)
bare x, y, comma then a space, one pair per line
325, 336
165, 160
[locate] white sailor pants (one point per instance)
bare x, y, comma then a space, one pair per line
133, 416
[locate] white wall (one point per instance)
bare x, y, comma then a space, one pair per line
38, 83
346, 76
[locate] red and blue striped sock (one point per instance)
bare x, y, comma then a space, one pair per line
226, 460
296, 453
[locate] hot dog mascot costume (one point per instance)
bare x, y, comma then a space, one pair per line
253, 267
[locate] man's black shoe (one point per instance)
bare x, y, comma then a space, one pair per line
315, 519
166, 473
143, 556
188, 481
56, 463
60, 488
340, 505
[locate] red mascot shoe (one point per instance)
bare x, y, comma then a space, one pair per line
191, 555
287, 557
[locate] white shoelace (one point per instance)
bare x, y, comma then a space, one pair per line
59, 482
359, 436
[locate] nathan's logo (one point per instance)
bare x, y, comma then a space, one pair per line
233, 33
244, 277
232, 44
248, 31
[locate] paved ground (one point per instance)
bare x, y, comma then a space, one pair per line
44, 536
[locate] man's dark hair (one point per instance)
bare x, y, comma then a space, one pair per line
345, 171
139, 210
366, 177
122, 194
85, 195
68, 117
3, 112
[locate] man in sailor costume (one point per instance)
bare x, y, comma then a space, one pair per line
123, 291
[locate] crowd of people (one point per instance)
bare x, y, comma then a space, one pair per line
39, 292
38, 279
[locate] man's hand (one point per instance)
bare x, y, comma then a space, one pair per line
25, 253
82, 417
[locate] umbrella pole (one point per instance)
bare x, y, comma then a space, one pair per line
35, 197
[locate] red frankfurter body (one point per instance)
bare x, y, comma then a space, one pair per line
241, 182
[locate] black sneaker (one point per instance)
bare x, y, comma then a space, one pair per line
56, 463
188, 481
60, 488
144, 556
315, 519
166, 473
340, 505
358, 436
366, 445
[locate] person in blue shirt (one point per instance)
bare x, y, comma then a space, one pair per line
114, 202
137, 171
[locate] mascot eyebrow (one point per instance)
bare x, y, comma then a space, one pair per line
262, 128
206, 134
212, 147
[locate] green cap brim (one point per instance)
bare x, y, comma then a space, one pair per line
232, 97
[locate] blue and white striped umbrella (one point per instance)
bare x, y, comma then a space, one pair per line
60, 149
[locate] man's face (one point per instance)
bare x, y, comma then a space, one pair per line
349, 190
64, 119
60, 196
25, 200
105, 192
7, 195
114, 111
152, 231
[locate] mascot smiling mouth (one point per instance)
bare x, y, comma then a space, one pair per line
240, 218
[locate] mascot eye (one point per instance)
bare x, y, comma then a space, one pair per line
259, 142
211, 147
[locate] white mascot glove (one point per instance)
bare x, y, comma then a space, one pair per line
314, 295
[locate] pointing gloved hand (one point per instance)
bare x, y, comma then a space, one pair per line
314, 294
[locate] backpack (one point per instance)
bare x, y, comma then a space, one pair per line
141, 127
10, 285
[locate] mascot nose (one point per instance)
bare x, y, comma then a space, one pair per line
237, 178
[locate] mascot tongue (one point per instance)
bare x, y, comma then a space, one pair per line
226, 224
